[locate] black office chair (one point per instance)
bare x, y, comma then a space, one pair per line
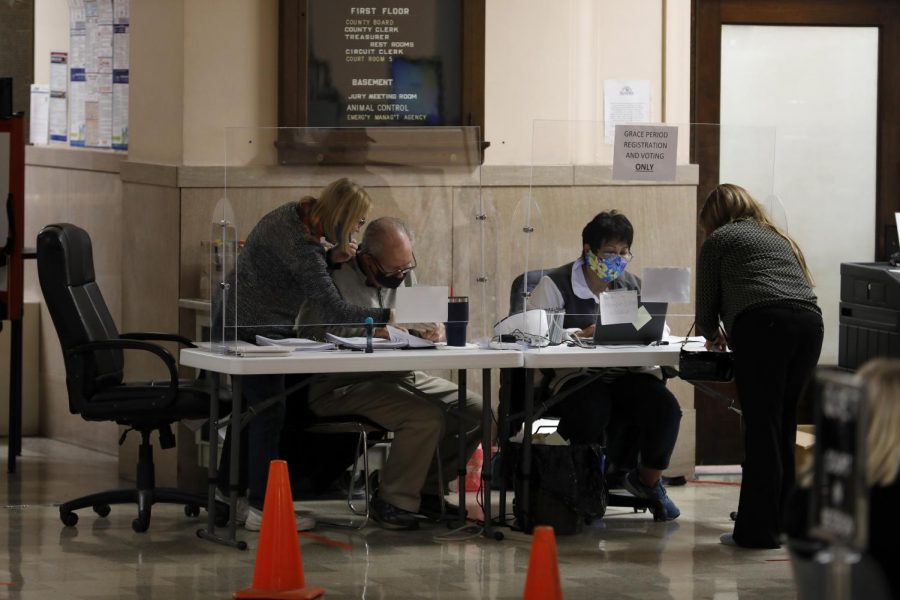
94, 360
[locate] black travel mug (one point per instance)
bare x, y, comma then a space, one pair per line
457, 320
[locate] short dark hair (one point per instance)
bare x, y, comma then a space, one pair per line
607, 226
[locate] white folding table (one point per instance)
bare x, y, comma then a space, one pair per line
237, 367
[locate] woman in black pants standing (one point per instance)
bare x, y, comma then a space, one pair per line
753, 277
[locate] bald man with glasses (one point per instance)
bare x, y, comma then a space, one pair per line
411, 404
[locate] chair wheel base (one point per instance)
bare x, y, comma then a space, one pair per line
140, 525
69, 519
102, 510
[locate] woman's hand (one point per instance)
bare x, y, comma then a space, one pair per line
718, 343
337, 255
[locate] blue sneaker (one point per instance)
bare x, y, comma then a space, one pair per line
665, 510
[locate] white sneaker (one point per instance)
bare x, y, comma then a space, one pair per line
240, 510
253, 522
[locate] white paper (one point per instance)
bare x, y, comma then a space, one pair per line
297, 344
121, 44
39, 126
59, 80
643, 317
624, 101
359, 342
645, 152
411, 341
77, 72
618, 307
421, 304
666, 284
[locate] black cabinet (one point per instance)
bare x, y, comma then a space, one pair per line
869, 313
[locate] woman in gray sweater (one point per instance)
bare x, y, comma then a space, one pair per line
753, 278
283, 267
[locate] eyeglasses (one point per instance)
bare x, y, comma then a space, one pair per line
627, 255
396, 272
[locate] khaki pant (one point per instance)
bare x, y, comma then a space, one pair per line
415, 407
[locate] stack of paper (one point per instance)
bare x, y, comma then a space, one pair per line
359, 343
412, 341
296, 344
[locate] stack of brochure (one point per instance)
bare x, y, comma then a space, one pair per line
296, 344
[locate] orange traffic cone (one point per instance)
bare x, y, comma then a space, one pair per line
542, 582
278, 573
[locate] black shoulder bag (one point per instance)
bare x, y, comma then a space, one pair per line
705, 365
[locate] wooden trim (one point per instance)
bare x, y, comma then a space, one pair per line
708, 16
11, 297
292, 83
292, 55
473, 63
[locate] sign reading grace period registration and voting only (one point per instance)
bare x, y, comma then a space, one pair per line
645, 152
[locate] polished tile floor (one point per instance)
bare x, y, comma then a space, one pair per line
625, 555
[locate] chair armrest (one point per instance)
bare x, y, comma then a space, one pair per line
120, 344
163, 337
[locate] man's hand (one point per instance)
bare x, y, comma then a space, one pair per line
718, 343
587, 332
433, 332
337, 255
382, 332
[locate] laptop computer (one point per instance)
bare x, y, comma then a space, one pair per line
621, 334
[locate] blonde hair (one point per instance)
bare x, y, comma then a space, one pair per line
340, 206
728, 202
882, 379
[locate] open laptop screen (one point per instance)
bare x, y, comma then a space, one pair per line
627, 333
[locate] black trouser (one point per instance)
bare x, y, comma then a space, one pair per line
639, 402
260, 441
776, 349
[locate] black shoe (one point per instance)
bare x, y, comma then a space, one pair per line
392, 517
430, 508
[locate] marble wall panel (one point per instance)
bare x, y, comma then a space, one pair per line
92, 200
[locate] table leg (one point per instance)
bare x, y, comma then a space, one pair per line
236, 412
486, 465
461, 459
525, 458
503, 437
212, 477
15, 394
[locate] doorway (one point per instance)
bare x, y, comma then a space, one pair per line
822, 72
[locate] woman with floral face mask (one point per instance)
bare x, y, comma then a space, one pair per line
628, 409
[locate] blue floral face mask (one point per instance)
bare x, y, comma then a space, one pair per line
607, 269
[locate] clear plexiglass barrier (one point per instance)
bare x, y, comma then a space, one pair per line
323, 234
624, 277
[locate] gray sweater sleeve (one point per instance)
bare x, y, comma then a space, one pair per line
310, 267
283, 268
708, 292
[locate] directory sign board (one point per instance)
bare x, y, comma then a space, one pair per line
384, 63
